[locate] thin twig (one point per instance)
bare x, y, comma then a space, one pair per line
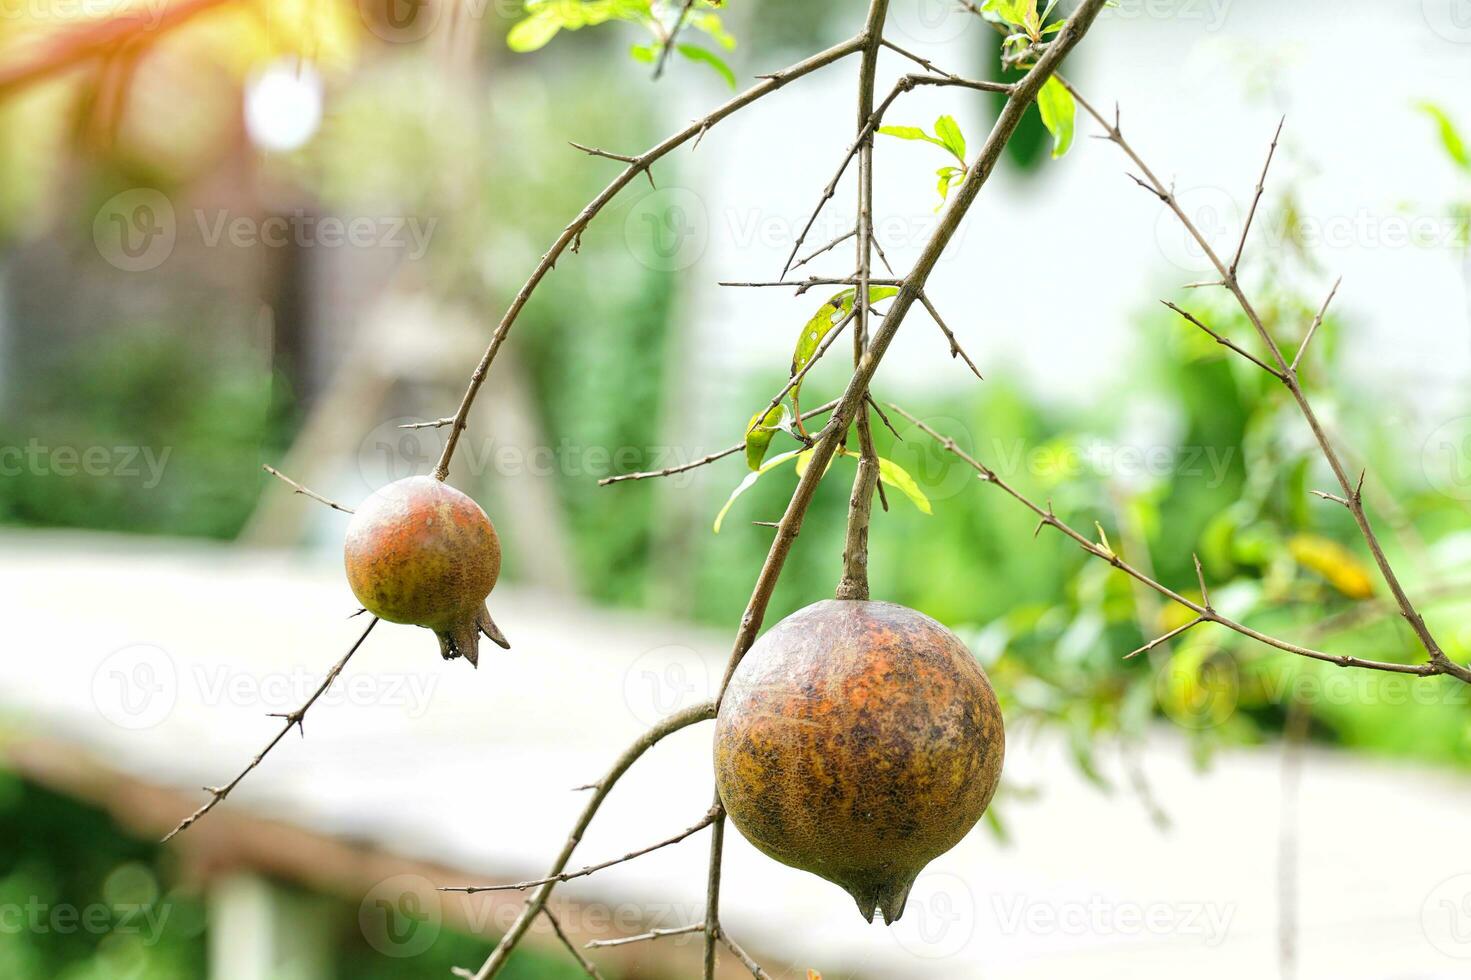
826, 248
647, 936
587, 965
1166, 638
955, 348
1313, 329
298, 488
538, 900
1352, 493
797, 376
1050, 519
622, 158
803, 285
684, 13
573, 232
703, 460
905, 84
688, 832
294, 719
1261, 185
923, 62
744, 957
1223, 341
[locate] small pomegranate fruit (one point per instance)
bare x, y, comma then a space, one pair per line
421, 552
859, 741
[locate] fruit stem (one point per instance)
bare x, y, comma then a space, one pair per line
854, 583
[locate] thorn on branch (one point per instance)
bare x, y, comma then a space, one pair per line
1049, 519
1205, 595
1227, 343
217, 795
1261, 185
955, 349
646, 937
1313, 329
1166, 638
298, 488
632, 161
1163, 196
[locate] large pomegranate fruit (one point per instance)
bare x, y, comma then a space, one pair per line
858, 741
421, 552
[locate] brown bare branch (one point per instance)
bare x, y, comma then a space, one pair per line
294, 719
298, 488
1049, 519
573, 232
688, 832
538, 900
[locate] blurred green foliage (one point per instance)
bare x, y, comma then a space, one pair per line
82, 900
142, 428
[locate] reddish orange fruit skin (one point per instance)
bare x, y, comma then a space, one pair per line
858, 741
421, 552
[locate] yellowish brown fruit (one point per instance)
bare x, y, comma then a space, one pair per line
859, 741
421, 552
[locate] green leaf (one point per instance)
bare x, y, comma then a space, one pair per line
696, 53
750, 481
535, 31
759, 433
712, 25
909, 133
647, 53
950, 136
546, 17
1059, 112
1011, 11
897, 477
948, 176
1450, 137
822, 323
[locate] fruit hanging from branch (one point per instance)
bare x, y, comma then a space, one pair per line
859, 741
421, 552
